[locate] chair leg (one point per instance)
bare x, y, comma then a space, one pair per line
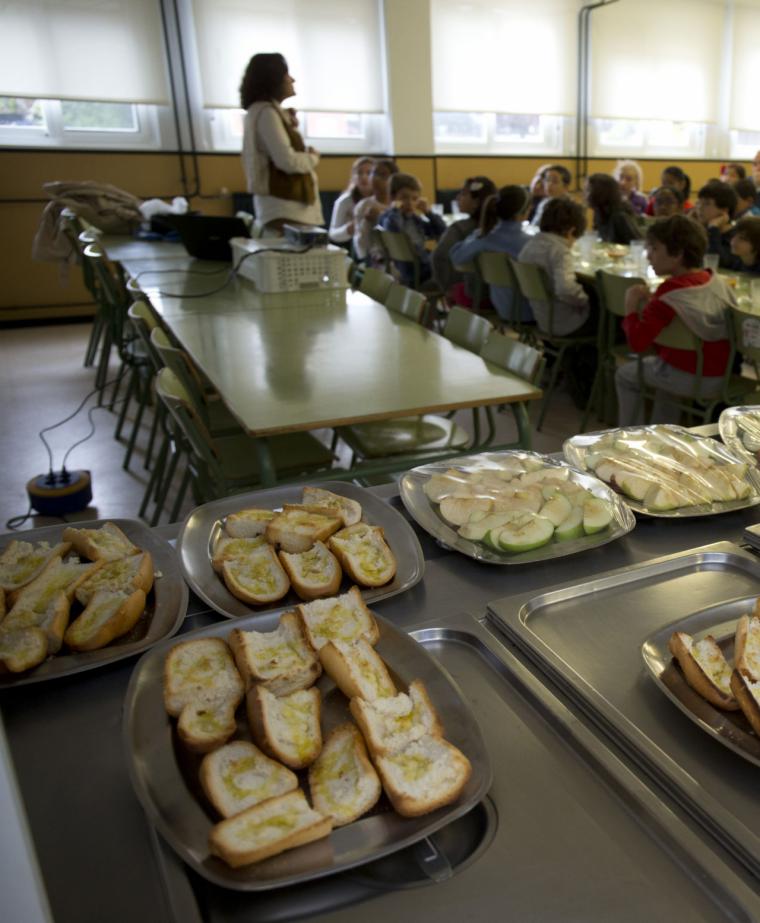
92, 344
155, 477
180, 495
141, 402
125, 404
101, 376
117, 386
601, 374
550, 390
152, 438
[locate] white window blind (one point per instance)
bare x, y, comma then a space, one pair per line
333, 49
105, 50
657, 59
507, 56
745, 100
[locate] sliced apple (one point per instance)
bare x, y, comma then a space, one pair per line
525, 533
597, 515
571, 527
557, 509
477, 531
632, 485
457, 510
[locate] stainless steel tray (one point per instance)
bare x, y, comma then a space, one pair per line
166, 606
204, 525
577, 447
739, 429
557, 786
165, 775
588, 637
731, 728
422, 510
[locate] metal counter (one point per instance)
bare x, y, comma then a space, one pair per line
571, 830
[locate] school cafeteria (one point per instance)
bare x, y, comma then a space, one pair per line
380, 531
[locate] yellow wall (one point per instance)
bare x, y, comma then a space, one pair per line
36, 290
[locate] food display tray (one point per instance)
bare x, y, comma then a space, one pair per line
588, 638
204, 525
739, 429
165, 775
577, 447
165, 608
422, 510
731, 728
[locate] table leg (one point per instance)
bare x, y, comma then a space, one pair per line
520, 411
266, 464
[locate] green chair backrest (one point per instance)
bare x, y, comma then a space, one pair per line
746, 330
467, 329
612, 289
535, 286
398, 246
405, 301
144, 322
498, 269
112, 294
514, 356
376, 284
179, 362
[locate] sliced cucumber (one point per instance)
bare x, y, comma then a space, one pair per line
572, 527
597, 515
557, 509
525, 533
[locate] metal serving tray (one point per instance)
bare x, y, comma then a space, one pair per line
739, 429
577, 447
423, 510
165, 775
588, 637
165, 609
562, 807
203, 527
731, 728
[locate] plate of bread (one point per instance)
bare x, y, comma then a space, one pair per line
709, 665
513, 507
276, 548
75, 598
299, 745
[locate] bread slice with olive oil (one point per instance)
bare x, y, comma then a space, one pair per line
238, 776
281, 660
392, 723
248, 523
705, 668
125, 575
313, 574
108, 615
339, 618
258, 578
108, 543
342, 782
22, 562
357, 669
267, 829
350, 510
364, 554
298, 526
228, 548
287, 728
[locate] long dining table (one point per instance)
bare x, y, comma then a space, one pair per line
315, 359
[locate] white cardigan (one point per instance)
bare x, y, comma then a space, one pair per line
265, 139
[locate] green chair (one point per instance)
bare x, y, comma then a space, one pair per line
611, 289
476, 287
535, 286
744, 332
72, 227
403, 300
467, 329
376, 284
400, 250
496, 269
225, 465
522, 360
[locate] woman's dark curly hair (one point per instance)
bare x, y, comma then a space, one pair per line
262, 78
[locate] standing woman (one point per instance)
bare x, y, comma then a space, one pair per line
280, 169
360, 186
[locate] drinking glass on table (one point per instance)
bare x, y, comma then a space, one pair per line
711, 261
637, 256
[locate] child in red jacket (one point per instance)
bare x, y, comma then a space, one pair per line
676, 248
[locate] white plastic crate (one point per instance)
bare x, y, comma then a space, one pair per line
286, 270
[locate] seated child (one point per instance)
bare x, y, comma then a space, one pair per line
745, 199
716, 204
501, 232
370, 208
556, 181
745, 245
666, 202
410, 214
674, 176
675, 247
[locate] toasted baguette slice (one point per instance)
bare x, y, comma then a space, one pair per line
257, 579
297, 527
343, 782
202, 672
248, 523
705, 668
427, 774
108, 615
747, 693
203, 728
364, 554
267, 829
340, 618
390, 724
125, 575
22, 648
747, 646
357, 669
282, 660
238, 776
350, 510
108, 543
313, 574
21, 562
235, 549
286, 728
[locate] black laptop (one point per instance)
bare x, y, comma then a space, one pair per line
207, 236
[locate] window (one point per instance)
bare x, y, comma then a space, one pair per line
648, 137
500, 132
744, 144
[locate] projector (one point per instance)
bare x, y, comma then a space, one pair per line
274, 264
301, 236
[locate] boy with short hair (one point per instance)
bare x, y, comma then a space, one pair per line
745, 199
675, 247
410, 214
716, 204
